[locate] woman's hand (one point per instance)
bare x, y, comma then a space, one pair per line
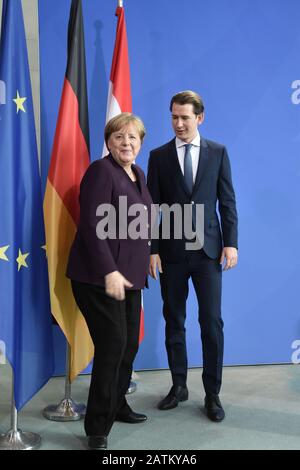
115, 285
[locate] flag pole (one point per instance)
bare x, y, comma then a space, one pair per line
69, 131
15, 439
67, 409
132, 386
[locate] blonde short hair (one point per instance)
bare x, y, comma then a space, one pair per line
121, 120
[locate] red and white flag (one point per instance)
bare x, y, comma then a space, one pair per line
119, 94
119, 91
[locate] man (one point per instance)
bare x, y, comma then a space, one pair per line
192, 170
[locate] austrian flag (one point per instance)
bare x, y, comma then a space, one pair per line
119, 94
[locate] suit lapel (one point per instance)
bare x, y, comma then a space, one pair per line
175, 169
139, 181
203, 158
125, 180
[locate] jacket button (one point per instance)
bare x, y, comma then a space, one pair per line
149, 243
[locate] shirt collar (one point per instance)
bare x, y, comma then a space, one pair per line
195, 141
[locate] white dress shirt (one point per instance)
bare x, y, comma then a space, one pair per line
195, 152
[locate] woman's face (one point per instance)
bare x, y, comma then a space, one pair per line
125, 144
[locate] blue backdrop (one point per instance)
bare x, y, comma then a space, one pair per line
243, 57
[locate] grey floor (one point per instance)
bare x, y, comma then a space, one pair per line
262, 405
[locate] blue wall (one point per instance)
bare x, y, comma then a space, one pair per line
242, 56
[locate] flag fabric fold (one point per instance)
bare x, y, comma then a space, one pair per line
25, 321
119, 90
69, 161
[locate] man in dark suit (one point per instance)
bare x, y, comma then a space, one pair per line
192, 170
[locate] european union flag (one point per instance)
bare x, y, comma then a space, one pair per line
25, 322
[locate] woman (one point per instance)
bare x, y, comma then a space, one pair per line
108, 269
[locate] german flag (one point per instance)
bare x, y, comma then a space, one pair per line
69, 161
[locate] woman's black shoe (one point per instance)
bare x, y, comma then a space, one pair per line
97, 442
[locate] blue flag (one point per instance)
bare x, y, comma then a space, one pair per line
25, 321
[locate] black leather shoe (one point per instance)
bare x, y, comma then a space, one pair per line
97, 442
131, 417
175, 395
213, 408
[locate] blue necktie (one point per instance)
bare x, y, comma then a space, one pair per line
188, 169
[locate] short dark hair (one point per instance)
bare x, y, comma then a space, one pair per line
188, 97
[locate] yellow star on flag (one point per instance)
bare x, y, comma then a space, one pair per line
21, 260
19, 102
2, 252
44, 247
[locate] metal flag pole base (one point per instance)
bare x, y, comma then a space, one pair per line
133, 385
15, 439
67, 409
132, 388
19, 440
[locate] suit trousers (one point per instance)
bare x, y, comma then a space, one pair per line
206, 275
114, 327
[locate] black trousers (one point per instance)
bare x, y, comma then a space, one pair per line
206, 275
114, 327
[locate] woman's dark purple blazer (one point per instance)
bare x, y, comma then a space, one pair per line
91, 258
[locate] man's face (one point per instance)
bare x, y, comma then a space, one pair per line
185, 122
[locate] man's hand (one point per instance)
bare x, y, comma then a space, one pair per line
231, 255
155, 262
115, 284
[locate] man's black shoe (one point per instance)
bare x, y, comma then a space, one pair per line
97, 442
175, 395
213, 408
131, 417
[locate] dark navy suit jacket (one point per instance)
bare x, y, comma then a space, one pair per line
91, 258
213, 185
